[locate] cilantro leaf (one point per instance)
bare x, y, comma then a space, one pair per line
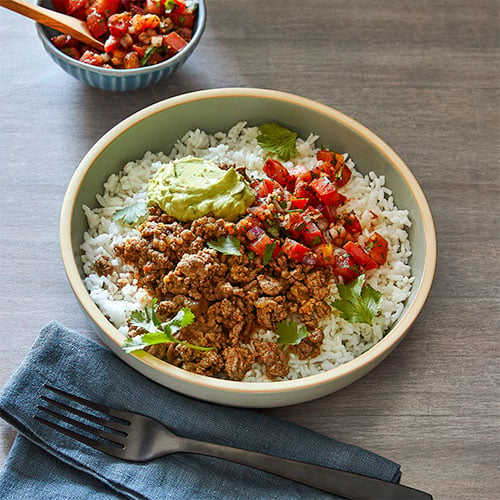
278, 140
142, 341
290, 332
228, 245
184, 317
268, 252
359, 302
147, 319
159, 332
147, 54
131, 215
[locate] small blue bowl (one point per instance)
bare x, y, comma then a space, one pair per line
120, 79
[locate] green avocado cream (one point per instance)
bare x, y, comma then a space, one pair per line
190, 187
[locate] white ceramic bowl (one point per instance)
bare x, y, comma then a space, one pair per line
156, 128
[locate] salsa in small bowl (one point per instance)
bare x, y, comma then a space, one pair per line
144, 42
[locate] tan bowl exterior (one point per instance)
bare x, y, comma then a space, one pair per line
245, 394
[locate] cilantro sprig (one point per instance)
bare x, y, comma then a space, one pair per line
290, 332
228, 245
278, 140
158, 332
359, 302
147, 54
131, 215
268, 252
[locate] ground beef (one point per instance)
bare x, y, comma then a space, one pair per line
273, 358
103, 266
233, 297
237, 361
310, 347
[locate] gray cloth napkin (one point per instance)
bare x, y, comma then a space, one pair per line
46, 464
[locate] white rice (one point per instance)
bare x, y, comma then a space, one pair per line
118, 295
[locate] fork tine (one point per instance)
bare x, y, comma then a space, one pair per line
124, 415
115, 438
110, 450
110, 424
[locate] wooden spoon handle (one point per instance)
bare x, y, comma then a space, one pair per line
61, 22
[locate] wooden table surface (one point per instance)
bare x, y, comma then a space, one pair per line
422, 75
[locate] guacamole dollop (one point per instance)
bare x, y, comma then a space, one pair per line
191, 187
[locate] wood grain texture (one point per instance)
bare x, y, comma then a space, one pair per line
422, 75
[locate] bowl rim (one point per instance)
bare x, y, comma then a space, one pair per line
123, 73
379, 350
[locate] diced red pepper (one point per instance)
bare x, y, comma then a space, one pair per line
326, 192
243, 225
105, 7
312, 234
322, 169
295, 224
118, 24
351, 223
298, 203
260, 244
329, 212
175, 41
300, 172
154, 7
303, 190
345, 266
377, 248
155, 58
90, 57
313, 213
140, 50
74, 5
80, 13
177, 6
324, 155
265, 187
332, 165
230, 227
360, 256
342, 175
184, 20
294, 250
325, 255
60, 41
275, 170
96, 23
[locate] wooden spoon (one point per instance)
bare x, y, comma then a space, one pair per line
61, 22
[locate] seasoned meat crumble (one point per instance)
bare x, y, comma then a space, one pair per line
232, 296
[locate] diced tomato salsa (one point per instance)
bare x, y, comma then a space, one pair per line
298, 212
137, 34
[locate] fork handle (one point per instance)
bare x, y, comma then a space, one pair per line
338, 482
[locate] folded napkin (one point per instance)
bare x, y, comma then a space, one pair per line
46, 464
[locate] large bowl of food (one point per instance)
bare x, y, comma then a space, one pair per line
246, 246
143, 41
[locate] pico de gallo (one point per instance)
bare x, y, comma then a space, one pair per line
298, 212
135, 33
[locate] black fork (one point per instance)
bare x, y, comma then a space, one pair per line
138, 438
